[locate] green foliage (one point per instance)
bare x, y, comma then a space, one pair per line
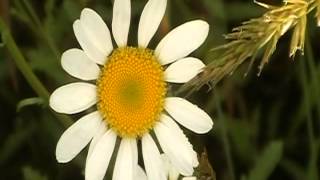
29, 102
14, 141
266, 162
31, 174
266, 127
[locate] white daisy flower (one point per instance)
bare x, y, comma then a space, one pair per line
130, 94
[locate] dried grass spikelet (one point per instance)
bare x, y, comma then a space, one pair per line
258, 35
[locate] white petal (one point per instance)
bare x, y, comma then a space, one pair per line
100, 132
97, 164
150, 20
76, 137
135, 152
183, 70
121, 21
166, 120
140, 174
166, 163
173, 174
152, 159
97, 31
175, 145
87, 43
73, 98
171, 171
188, 115
125, 166
182, 41
189, 178
78, 65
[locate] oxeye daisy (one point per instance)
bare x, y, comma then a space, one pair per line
128, 88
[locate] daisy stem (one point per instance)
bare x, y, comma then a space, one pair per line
25, 69
224, 135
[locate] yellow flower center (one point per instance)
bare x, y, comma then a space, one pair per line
131, 91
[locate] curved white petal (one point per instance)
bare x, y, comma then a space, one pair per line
140, 174
73, 98
77, 64
100, 132
125, 166
183, 70
182, 41
134, 148
76, 137
152, 159
121, 21
188, 115
173, 174
171, 171
189, 178
97, 30
97, 164
88, 44
150, 20
166, 120
176, 145
166, 163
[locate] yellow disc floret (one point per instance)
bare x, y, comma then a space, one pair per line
131, 91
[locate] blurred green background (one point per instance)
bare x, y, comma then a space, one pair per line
266, 127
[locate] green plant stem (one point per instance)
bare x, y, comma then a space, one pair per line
26, 71
35, 19
313, 71
224, 135
312, 172
303, 75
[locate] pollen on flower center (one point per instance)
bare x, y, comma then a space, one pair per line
131, 91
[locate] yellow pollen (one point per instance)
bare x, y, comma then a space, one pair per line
131, 91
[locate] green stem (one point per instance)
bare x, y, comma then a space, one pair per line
313, 71
308, 112
224, 133
307, 105
306, 92
35, 19
26, 71
313, 173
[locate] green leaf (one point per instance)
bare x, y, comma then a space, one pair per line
29, 102
267, 161
32, 174
49, 7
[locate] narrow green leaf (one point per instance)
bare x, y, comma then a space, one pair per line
29, 102
267, 161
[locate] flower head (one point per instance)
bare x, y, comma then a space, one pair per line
129, 93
